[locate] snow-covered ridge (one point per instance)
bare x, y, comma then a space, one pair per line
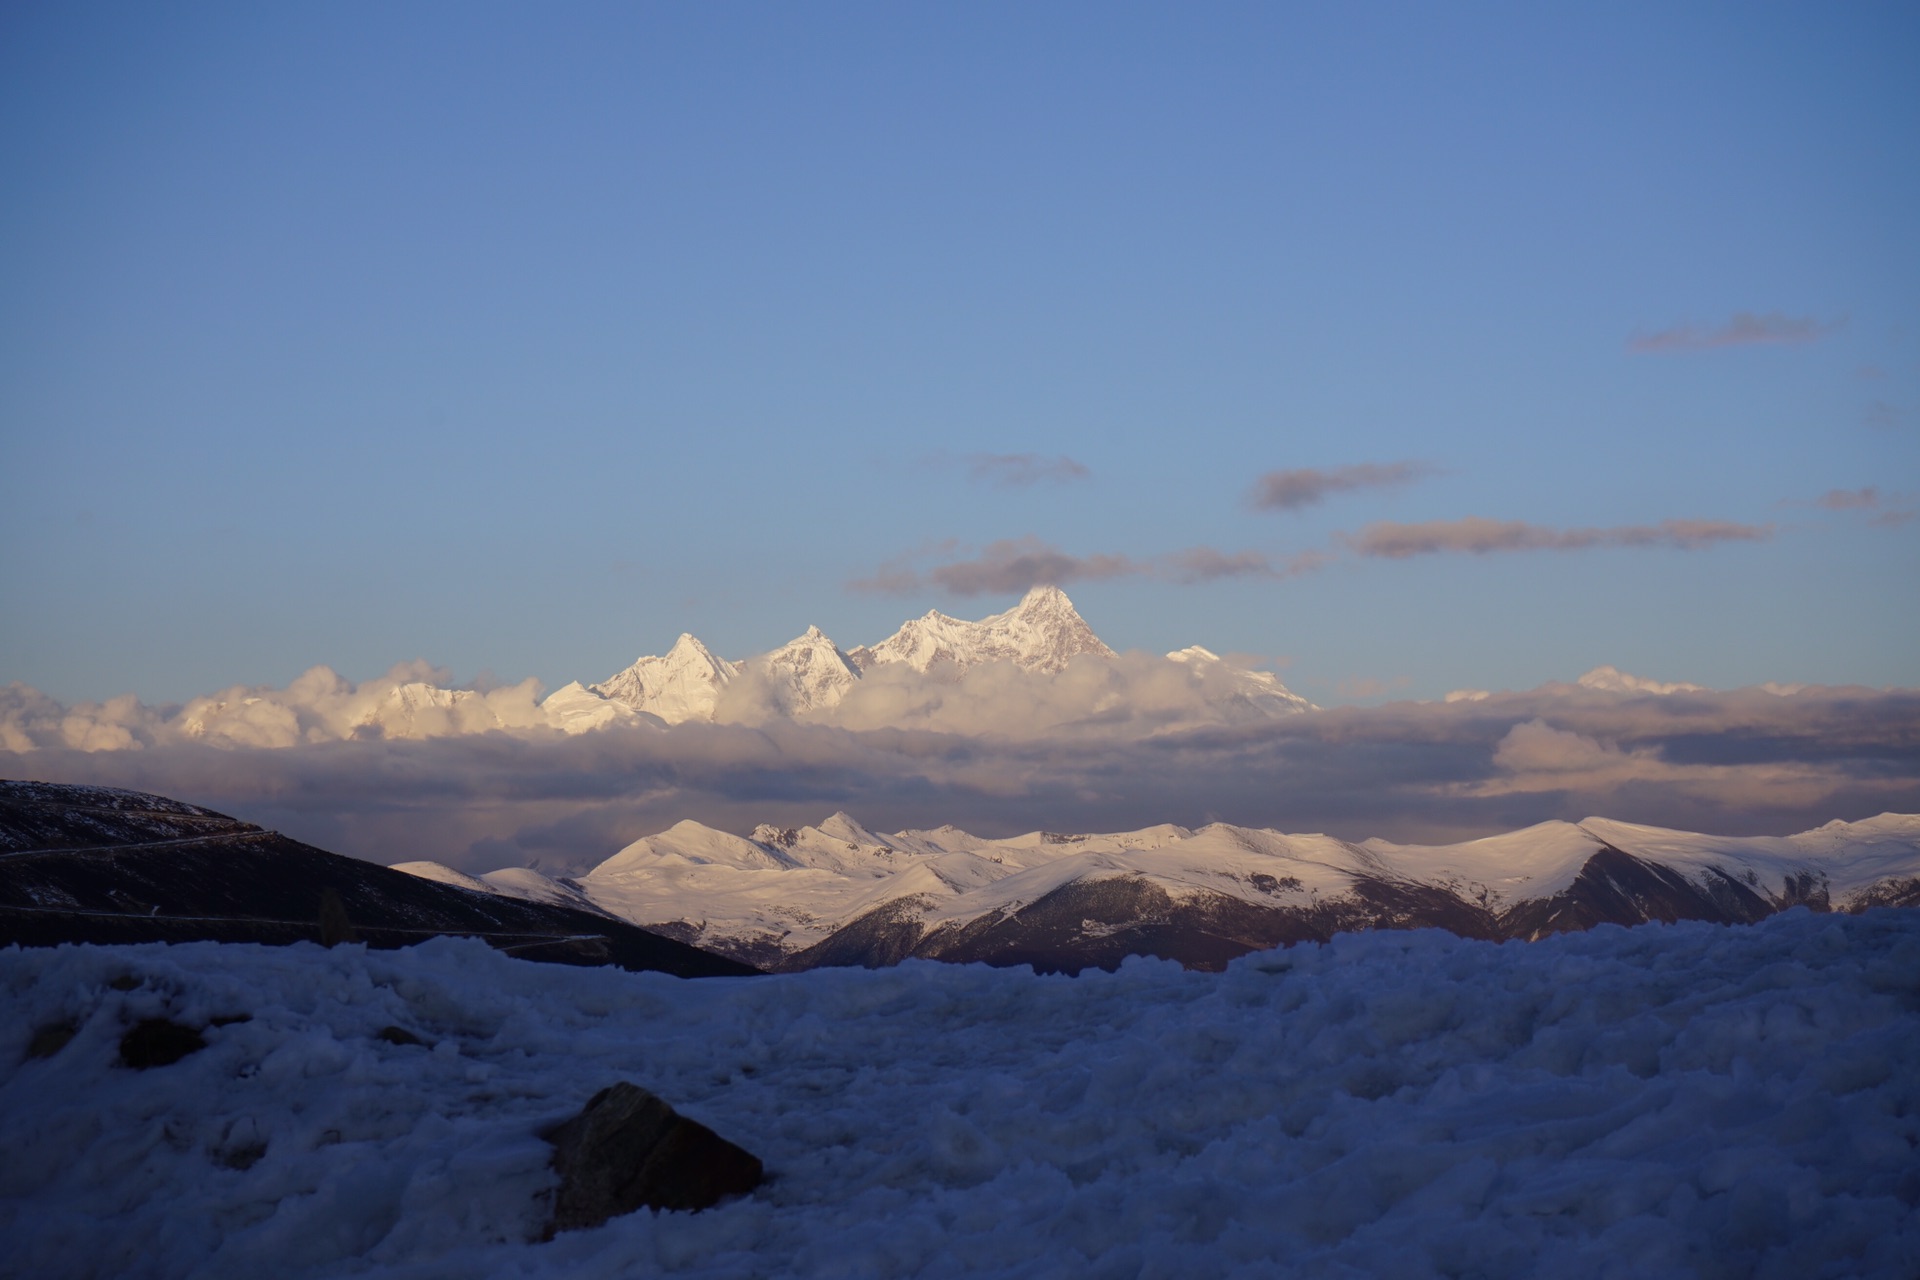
771, 897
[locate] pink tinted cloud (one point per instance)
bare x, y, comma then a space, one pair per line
1012, 565
1305, 486
1883, 415
1478, 535
1849, 499
1745, 329
1208, 564
1883, 510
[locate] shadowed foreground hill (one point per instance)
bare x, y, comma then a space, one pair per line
94, 864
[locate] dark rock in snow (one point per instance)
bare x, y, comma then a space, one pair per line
628, 1150
50, 1039
399, 1036
335, 928
156, 1042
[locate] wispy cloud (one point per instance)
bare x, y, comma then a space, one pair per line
1207, 564
1479, 535
1305, 486
1745, 329
1849, 499
1883, 415
1883, 510
1362, 688
1012, 565
1014, 470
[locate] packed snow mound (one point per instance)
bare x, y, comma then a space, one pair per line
1043, 633
1651, 1101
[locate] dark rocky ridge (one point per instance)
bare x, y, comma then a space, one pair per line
94, 864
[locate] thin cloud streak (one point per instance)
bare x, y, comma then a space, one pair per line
1306, 486
1478, 535
1017, 470
1849, 499
1745, 329
1882, 510
1013, 565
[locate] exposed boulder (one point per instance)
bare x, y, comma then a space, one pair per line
157, 1042
628, 1150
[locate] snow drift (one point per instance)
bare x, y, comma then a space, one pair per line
1662, 1101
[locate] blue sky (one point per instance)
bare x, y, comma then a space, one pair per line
523, 340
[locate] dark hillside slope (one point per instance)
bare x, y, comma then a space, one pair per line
93, 864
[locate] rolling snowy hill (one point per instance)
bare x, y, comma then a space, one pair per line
840, 894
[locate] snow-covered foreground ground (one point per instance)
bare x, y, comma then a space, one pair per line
1674, 1100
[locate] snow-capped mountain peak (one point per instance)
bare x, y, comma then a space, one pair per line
1258, 691
808, 673
683, 685
1043, 633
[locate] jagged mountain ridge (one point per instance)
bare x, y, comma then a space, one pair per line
1041, 634
841, 894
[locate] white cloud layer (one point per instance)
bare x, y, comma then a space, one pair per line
393, 769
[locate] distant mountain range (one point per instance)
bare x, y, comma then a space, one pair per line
839, 894
1042, 634
808, 676
94, 864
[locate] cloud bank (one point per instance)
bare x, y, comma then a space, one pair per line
1745, 329
1290, 490
1103, 746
